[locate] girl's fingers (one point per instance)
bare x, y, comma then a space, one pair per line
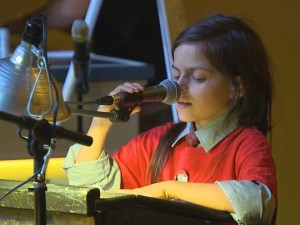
128, 87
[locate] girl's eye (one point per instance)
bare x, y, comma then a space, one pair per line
199, 79
176, 78
176, 75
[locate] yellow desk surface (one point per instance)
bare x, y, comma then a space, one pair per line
21, 169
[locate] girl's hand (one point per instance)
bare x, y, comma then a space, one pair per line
205, 194
156, 190
100, 127
126, 87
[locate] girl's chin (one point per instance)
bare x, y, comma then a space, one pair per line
185, 118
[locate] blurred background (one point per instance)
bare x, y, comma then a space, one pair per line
130, 29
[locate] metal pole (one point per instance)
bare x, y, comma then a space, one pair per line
166, 43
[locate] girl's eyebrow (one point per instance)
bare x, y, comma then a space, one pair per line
195, 68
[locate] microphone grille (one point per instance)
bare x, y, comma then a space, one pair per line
173, 91
79, 31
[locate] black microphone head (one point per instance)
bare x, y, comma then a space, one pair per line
79, 31
173, 91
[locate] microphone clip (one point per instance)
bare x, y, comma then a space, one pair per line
120, 115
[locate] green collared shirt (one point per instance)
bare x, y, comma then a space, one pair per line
211, 134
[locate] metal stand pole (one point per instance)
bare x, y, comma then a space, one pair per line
166, 43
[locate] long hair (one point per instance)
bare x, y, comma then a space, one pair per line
235, 49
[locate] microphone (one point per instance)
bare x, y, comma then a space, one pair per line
168, 92
81, 55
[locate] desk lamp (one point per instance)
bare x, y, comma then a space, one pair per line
26, 87
30, 98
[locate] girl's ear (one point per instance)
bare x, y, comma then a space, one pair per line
237, 89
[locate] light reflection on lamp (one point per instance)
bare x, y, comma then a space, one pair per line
18, 77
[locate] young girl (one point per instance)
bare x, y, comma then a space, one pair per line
222, 69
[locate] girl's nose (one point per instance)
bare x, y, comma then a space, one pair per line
183, 83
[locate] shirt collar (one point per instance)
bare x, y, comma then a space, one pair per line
211, 134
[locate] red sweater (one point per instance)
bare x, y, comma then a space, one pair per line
243, 155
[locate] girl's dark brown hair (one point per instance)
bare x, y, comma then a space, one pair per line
235, 49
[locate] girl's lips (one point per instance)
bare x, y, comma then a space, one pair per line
182, 105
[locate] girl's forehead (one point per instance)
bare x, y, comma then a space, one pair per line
191, 55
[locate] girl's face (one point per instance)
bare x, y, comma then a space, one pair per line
205, 91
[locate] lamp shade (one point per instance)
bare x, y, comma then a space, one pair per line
25, 88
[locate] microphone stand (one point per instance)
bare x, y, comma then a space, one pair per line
37, 150
41, 137
82, 86
81, 62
